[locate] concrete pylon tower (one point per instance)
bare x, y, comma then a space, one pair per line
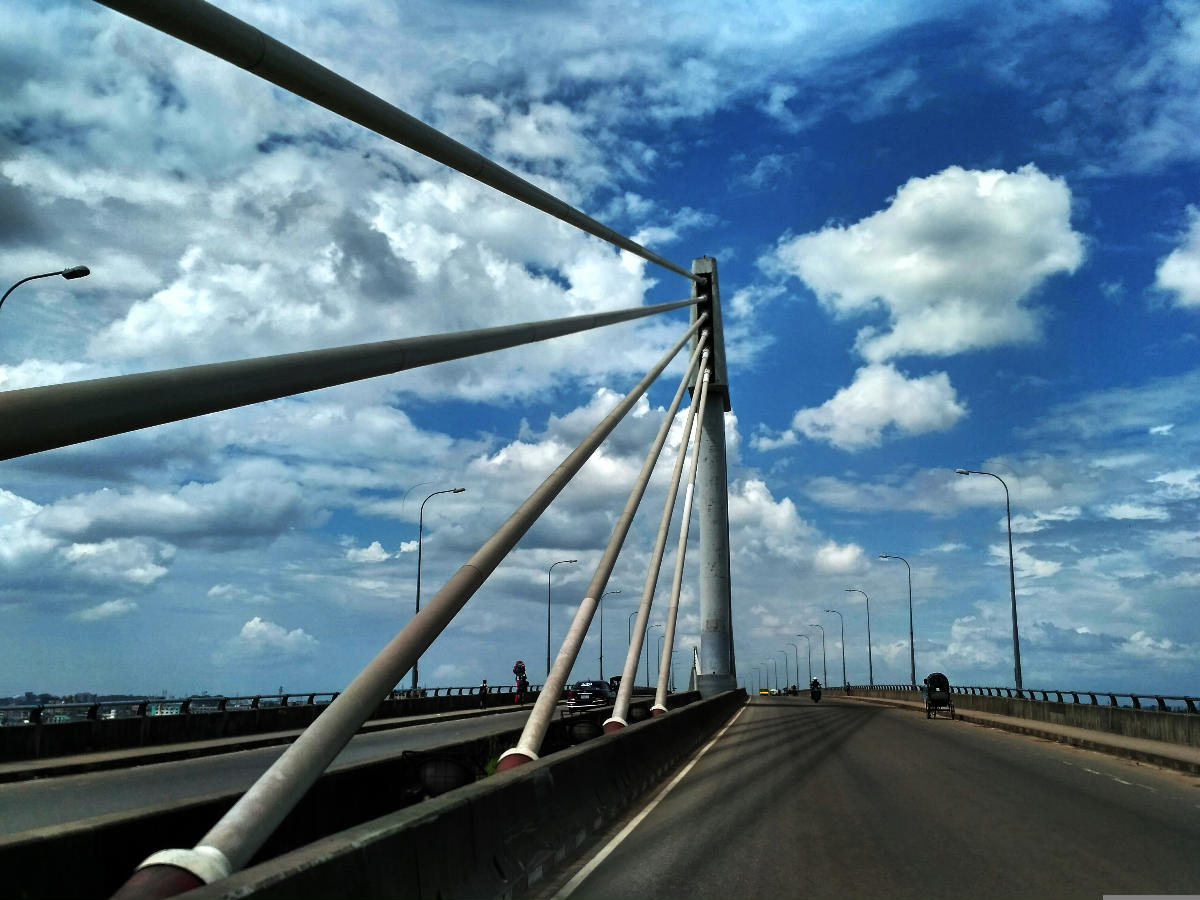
718, 670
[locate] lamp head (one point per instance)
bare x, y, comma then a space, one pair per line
75, 272
961, 472
458, 490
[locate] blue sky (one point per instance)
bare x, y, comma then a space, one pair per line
949, 235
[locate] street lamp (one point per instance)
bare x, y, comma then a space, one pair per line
548, 571
775, 663
69, 273
912, 653
845, 683
420, 536
807, 638
646, 644
602, 596
824, 669
786, 679
1012, 577
796, 651
870, 661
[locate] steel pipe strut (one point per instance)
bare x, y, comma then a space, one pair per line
619, 718
217, 32
539, 719
664, 664
240, 833
43, 418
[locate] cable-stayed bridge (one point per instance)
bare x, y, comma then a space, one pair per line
788, 798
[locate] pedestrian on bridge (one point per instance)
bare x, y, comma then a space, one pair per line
483, 691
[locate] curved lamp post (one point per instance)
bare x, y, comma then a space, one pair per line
807, 638
69, 273
548, 571
646, 645
420, 536
870, 661
601, 605
824, 668
796, 652
786, 680
912, 653
845, 683
775, 664
1012, 577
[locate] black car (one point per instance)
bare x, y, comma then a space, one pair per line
590, 693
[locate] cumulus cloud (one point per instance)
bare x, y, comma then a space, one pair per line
136, 560
264, 642
371, 554
834, 558
1178, 273
880, 400
953, 261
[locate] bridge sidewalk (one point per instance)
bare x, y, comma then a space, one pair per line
1160, 753
52, 767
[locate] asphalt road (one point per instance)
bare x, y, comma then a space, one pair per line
847, 800
56, 801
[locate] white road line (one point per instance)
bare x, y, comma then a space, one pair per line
580, 876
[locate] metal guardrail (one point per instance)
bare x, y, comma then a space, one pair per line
1140, 700
60, 713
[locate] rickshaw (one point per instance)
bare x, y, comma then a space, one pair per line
937, 695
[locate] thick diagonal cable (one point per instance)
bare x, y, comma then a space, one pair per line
629, 673
664, 670
239, 834
221, 34
42, 418
534, 732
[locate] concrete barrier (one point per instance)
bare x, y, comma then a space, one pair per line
104, 851
51, 739
1152, 724
493, 838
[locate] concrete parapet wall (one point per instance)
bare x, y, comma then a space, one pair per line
493, 838
44, 741
1172, 727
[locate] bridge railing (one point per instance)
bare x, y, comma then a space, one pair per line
1185, 704
61, 713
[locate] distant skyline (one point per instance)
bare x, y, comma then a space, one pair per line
949, 234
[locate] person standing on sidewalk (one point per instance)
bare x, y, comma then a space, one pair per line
483, 691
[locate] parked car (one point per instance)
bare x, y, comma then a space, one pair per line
590, 693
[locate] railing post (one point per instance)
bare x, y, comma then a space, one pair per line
718, 667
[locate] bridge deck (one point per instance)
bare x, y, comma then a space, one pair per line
849, 799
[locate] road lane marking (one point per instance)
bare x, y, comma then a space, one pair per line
612, 845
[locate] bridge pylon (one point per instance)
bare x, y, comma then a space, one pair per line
718, 669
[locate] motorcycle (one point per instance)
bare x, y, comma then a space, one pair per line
815, 692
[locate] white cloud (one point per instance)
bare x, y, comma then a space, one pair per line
1180, 484
1024, 562
1179, 272
1134, 511
953, 261
370, 554
107, 610
135, 560
1161, 429
1037, 521
262, 641
881, 399
836, 559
